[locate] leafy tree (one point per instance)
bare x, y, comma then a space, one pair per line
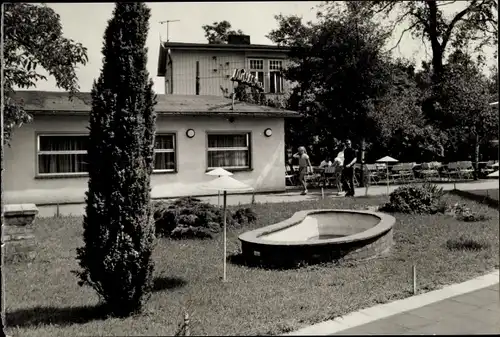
475, 23
340, 70
404, 130
218, 32
464, 106
33, 40
118, 225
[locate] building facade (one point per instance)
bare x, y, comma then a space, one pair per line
206, 69
46, 163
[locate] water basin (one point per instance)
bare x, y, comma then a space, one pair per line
320, 235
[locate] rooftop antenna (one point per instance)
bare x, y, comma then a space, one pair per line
168, 22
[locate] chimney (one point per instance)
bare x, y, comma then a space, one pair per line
238, 39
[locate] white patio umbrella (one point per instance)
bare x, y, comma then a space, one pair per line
219, 172
387, 160
225, 184
494, 174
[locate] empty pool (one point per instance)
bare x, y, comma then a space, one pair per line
318, 236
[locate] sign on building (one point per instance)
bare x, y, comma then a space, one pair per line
245, 77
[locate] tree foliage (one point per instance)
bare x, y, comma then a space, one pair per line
33, 40
475, 23
464, 109
340, 70
118, 225
218, 32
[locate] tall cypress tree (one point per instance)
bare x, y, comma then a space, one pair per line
118, 226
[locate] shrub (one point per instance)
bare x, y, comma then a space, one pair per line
466, 243
190, 218
464, 213
118, 227
416, 199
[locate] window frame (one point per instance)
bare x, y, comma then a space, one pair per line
259, 60
174, 151
39, 175
248, 148
38, 135
280, 72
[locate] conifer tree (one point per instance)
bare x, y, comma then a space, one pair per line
116, 259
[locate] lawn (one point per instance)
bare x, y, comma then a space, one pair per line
43, 298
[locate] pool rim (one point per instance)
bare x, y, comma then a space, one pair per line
385, 224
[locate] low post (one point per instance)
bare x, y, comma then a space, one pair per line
322, 193
414, 277
225, 238
186, 325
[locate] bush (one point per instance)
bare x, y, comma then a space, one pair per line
425, 199
464, 213
467, 244
190, 218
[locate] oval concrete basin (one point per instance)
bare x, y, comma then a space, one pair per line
319, 236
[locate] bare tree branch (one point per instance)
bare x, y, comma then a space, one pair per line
446, 3
454, 21
401, 36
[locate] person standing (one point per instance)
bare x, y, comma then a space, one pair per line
304, 164
348, 171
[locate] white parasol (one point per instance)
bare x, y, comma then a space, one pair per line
226, 183
387, 160
219, 172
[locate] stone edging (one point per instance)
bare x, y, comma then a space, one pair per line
385, 224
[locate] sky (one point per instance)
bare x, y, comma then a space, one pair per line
86, 22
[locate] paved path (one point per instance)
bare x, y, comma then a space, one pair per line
463, 308
476, 312
294, 196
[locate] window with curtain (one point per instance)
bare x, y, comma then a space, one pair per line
164, 153
62, 154
275, 76
229, 151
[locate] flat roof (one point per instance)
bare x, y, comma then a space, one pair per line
165, 46
59, 103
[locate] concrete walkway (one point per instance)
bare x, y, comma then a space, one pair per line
469, 307
477, 312
294, 196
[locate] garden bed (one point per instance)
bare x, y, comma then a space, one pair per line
43, 298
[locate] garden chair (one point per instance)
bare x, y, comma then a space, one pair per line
428, 171
465, 170
333, 175
289, 175
406, 173
373, 174
395, 173
452, 170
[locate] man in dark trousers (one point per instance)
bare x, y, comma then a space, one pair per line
348, 171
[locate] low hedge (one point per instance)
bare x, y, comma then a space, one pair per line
191, 218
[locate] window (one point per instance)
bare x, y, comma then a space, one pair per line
256, 64
164, 151
275, 77
275, 65
67, 154
62, 154
257, 69
230, 151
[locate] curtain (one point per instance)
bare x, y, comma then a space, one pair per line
49, 161
233, 153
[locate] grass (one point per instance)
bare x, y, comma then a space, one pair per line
43, 298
